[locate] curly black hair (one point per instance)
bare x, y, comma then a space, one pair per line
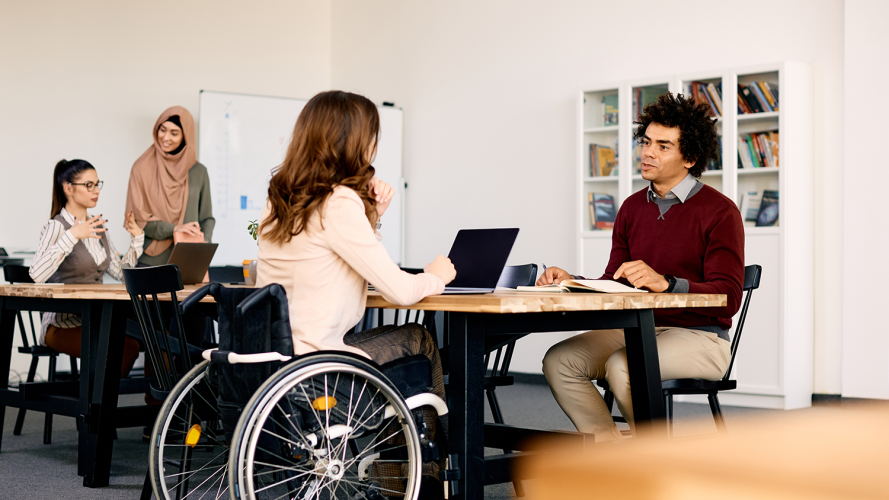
698, 139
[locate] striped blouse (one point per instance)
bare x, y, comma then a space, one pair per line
56, 244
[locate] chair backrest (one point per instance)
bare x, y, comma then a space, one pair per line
226, 274
516, 276
511, 277
250, 321
14, 273
168, 356
752, 275
17, 274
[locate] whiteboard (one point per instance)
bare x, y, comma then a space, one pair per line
241, 138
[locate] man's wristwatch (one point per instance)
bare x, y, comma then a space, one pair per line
672, 281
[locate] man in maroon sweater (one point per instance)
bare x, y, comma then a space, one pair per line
678, 235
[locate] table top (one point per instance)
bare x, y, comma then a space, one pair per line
499, 302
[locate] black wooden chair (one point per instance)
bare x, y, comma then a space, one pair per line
168, 354
19, 274
710, 388
501, 347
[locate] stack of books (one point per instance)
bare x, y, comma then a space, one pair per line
758, 97
758, 150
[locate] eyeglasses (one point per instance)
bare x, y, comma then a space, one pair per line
90, 186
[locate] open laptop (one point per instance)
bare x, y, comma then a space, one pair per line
479, 255
193, 260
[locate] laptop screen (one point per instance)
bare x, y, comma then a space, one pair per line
479, 255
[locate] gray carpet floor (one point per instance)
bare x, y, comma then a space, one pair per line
29, 469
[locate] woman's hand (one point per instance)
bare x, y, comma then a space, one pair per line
443, 268
192, 228
89, 228
553, 275
131, 225
382, 193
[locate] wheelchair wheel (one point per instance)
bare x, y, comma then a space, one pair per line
188, 457
326, 426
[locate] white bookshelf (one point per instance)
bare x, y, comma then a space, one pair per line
774, 362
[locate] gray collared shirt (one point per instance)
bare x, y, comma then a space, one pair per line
681, 190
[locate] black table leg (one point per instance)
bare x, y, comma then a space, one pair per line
645, 376
7, 331
466, 403
103, 400
89, 332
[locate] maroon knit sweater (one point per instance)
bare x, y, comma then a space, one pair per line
701, 240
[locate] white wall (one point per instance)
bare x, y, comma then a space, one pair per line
865, 232
88, 79
488, 90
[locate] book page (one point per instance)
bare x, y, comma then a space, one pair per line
606, 286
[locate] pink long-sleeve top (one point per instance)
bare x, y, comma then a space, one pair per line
325, 271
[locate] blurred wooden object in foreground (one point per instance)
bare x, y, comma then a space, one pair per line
836, 453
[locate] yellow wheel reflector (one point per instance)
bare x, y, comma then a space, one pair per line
191, 439
324, 403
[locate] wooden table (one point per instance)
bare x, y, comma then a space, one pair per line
104, 310
470, 318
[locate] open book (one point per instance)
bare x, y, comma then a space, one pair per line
600, 286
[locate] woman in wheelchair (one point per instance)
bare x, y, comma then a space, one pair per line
318, 239
352, 415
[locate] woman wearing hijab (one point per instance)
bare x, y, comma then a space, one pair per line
169, 191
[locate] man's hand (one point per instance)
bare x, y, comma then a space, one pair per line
382, 193
641, 275
553, 275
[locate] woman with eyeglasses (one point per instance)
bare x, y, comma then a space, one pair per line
74, 248
169, 191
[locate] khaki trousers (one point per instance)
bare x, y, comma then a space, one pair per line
571, 365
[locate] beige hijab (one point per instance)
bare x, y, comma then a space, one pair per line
158, 189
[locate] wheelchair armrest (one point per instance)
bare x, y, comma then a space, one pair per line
197, 296
233, 358
424, 399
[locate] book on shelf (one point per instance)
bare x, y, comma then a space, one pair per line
768, 209
750, 202
759, 150
610, 106
602, 210
583, 286
759, 97
709, 94
602, 161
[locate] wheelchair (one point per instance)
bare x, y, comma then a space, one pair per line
253, 421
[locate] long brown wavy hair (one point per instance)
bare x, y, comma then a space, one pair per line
334, 142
